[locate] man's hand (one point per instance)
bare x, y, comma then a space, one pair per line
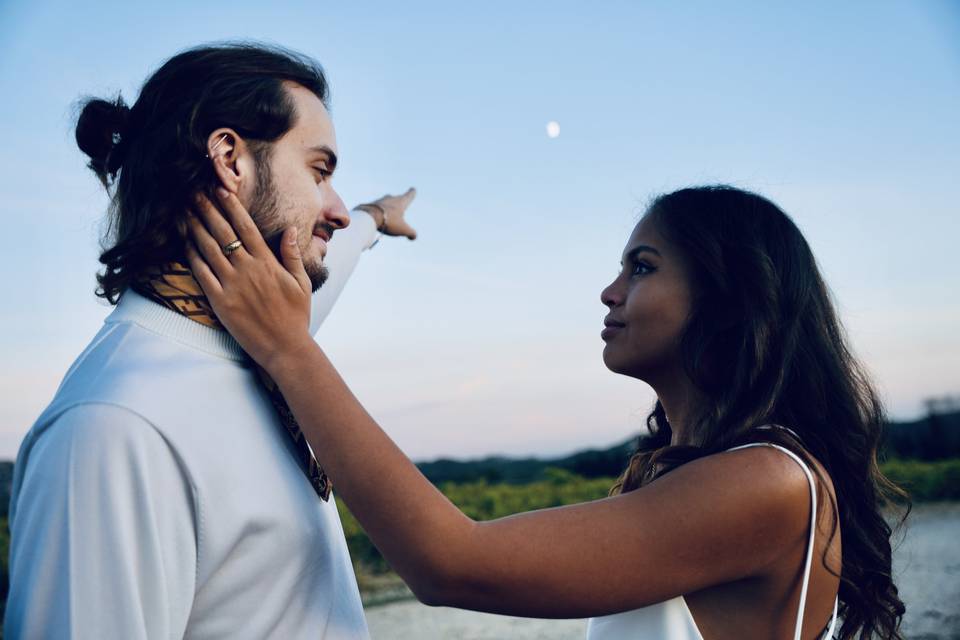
394, 208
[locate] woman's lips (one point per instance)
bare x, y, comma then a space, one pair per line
610, 329
609, 332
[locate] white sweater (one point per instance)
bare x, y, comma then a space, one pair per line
158, 496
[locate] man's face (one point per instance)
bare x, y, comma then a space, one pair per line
293, 185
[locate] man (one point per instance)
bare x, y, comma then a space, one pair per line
130, 517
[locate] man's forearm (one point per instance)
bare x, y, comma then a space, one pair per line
343, 254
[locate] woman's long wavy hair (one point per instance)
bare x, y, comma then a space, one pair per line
152, 157
763, 345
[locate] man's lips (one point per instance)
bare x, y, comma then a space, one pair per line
323, 233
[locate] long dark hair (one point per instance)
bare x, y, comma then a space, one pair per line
153, 156
763, 345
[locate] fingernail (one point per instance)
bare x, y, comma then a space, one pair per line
293, 237
223, 193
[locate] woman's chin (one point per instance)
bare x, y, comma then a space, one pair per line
610, 359
616, 363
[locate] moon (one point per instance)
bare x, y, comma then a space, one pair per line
553, 129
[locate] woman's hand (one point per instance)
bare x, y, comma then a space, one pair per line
265, 305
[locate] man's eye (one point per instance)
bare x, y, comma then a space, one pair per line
323, 173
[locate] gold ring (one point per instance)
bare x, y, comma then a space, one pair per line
230, 248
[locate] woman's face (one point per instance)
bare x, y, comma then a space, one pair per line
649, 304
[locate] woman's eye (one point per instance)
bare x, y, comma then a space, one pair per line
641, 269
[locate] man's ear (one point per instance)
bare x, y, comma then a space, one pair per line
230, 158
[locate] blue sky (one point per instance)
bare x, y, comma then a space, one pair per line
483, 335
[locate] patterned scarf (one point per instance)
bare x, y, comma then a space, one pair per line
174, 287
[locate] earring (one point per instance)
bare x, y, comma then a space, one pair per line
222, 138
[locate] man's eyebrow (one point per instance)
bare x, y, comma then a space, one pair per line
331, 156
633, 253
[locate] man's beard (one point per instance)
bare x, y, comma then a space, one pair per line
265, 211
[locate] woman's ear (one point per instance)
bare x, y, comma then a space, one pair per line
227, 152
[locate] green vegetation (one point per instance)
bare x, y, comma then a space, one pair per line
482, 500
926, 481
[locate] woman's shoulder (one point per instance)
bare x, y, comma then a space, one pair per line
738, 511
786, 447
759, 481
785, 464
772, 475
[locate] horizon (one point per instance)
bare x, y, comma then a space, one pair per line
950, 408
845, 116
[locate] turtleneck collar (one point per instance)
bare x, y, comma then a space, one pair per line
137, 309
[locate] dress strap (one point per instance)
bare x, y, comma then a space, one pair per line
813, 521
777, 426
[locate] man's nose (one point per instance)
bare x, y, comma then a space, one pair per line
336, 214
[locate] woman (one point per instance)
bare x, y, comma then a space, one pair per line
762, 455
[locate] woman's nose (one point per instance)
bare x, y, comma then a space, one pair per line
611, 296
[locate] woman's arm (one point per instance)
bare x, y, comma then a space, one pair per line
707, 523
712, 521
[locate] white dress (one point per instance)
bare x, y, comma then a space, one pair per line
672, 620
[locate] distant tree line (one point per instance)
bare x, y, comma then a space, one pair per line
933, 437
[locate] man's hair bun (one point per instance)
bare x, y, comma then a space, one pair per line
100, 133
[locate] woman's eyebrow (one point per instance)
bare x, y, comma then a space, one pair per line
634, 252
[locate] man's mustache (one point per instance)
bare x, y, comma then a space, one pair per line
326, 228
273, 240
